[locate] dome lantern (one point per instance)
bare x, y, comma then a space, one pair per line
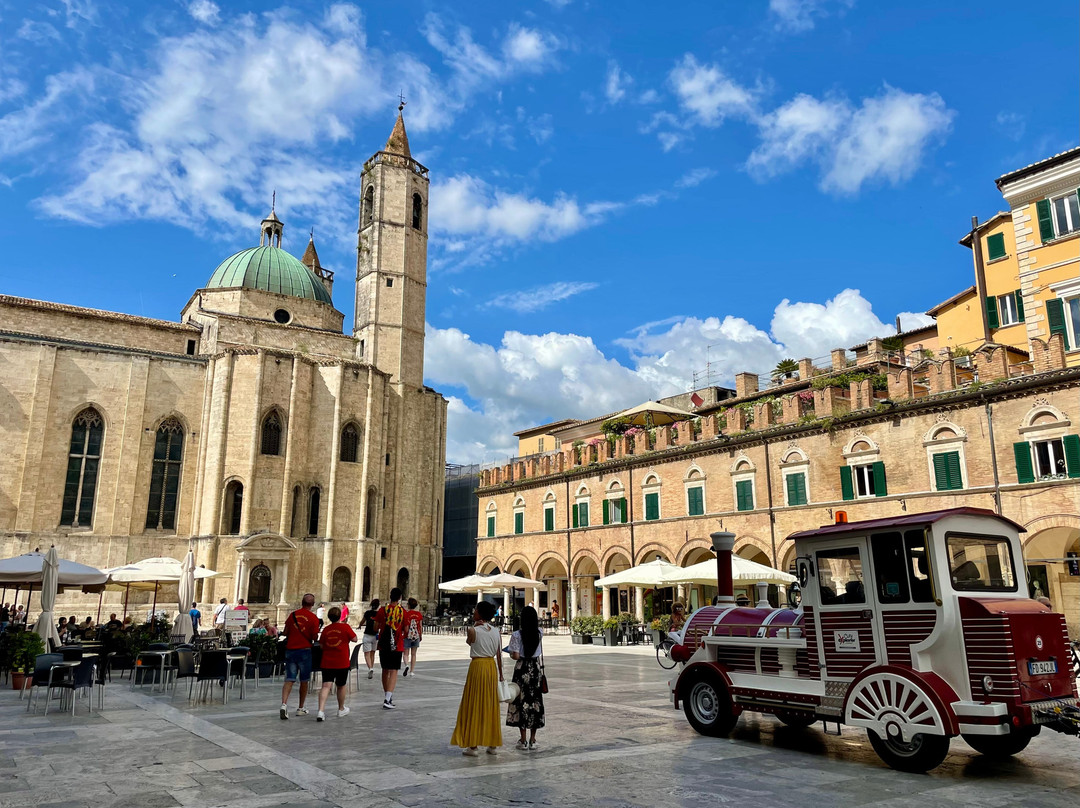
272, 227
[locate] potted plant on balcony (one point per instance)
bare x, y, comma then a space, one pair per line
785, 369
25, 647
579, 630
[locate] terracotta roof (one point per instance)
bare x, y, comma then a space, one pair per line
399, 141
829, 531
954, 299
908, 333
543, 429
1049, 162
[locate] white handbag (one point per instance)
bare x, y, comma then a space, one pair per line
509, 691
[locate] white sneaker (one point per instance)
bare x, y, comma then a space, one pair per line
521, 745
389, 705
343, 712
284, 712
493, 750
301, 711
470, 752
321, 716
370, 673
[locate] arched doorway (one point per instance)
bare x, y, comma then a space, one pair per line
620, 599
589, 600
341, 585
1051, 570
403, 581
259, 584
552, 571
752, 552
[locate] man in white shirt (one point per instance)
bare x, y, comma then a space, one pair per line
219, 615
321, 613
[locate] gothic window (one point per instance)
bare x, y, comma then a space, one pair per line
417, 211
403, 581
259, 585
271, 434
369, 206
84, 457
165, 476
314, 497
350, 443
342, 583
234, 507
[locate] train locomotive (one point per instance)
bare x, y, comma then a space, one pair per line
916, 628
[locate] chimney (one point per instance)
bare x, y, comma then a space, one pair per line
723, 543
762, 595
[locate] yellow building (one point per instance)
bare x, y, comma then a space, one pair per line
538, 439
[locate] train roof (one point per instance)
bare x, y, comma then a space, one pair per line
907, 520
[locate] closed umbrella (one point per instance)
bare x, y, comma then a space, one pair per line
50, 580
183, 627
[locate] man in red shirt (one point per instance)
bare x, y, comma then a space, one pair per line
335, 641
390, 620
414, 632
301, 630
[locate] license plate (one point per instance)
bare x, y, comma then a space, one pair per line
1042, 668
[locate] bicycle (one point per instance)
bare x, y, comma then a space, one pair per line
663, 653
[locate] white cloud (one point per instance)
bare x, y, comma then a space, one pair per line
30, 126
1012, 124
883, 139
79, 11
695, 177
709, 94
795, 16
616, 83
914, 319
37, 32
529, 300
205, 11
528, 47
532, 378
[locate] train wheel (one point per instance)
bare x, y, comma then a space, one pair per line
1002, 746
921, 754
708, 705
797, 720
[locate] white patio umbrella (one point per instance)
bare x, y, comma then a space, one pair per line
29, 569
658, 573
489, 583
182, 626
459, 584
154, 571
653, 413
742, 570
50, 578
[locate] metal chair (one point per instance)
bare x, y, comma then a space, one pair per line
185, 669
103, 672
82, 678
213, 667
42, 677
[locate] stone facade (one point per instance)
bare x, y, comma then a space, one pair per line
299, 464
830, 438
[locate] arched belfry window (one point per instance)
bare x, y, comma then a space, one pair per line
234, 507
84, 457
165, 476
259, 584
350, 443
417, 211
314, 501
369, 206
271, 434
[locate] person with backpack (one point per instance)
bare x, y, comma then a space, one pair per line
370, 641
390, 622
414, 632
301, 631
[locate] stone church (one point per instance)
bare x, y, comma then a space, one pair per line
290, 456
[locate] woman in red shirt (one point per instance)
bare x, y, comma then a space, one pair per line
334, 641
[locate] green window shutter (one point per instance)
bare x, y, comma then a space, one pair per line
803, 499
956, 477
1055, 319
796, 489
574, 515
880, 489
1019, 305
995, 246
622, 510
652, 507
696, 506
744, 495
1072, 454
491, 527
549, 519
519, 522
991, 312
1046, 220
606, 508
847, 486
791, 489
1025, 471
583, 514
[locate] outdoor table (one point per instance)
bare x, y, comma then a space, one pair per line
162, 655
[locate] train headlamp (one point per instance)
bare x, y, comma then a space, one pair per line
988, 684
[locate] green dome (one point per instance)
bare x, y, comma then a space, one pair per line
270, 269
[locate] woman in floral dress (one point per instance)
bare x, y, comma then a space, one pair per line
527, 711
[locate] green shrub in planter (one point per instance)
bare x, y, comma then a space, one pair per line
25, 649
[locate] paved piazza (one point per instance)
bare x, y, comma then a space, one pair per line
612, 739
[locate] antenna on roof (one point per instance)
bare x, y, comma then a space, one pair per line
273, 201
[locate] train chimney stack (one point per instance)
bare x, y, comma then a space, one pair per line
723, 543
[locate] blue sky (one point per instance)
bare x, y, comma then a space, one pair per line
619, 190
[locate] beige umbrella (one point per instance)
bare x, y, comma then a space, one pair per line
183, 628
653, 413
653, 574
742, 570
50, 580
459, 584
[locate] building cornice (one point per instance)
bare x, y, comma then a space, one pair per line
97, 314
78, 345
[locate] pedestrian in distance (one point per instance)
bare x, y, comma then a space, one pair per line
194, 613
335, 640
370, 640
414, 632
478, 718
219, 616
344, 612
526, 712
390, 621
321, 614
301, 630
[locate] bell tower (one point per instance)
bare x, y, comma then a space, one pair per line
391, 262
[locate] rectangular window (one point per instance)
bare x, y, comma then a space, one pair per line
191, 347
549, 519
1066, 213
519, 522
890, 567
795, 484
868, 480
980, 563
744, 495
540, 445
1063, 317
1007, 311
389, 283
583, 514
695, 501
1049, 459
652, 507
491, 527
614, 511
840, 576
995, 246
947, 474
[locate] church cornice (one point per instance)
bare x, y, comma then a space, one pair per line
79, 345
99, 314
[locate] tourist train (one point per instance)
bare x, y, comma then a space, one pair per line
917, 628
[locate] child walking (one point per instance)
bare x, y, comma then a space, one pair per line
478, 718
335, 640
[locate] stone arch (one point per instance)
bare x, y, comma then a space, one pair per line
403, 581
936, 432
272, 432
694, 473
175, 416
488, 565
690, 549
752, 548
652, 479
854, 446
550, 497
341, 584
742, 464
610, 555
650, 551
547, 559
1044, 415
582, 556
75, 412
787, 555
582, 491
513, 561
519, 501
614, 485
794, 455
232, 506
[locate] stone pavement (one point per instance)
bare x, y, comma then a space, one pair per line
612, 740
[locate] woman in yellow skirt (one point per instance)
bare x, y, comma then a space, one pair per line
479, 718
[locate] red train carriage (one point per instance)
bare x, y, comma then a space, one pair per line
917, 628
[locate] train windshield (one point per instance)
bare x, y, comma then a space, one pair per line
980, 563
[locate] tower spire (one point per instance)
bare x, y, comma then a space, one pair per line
271, 228
398, 143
